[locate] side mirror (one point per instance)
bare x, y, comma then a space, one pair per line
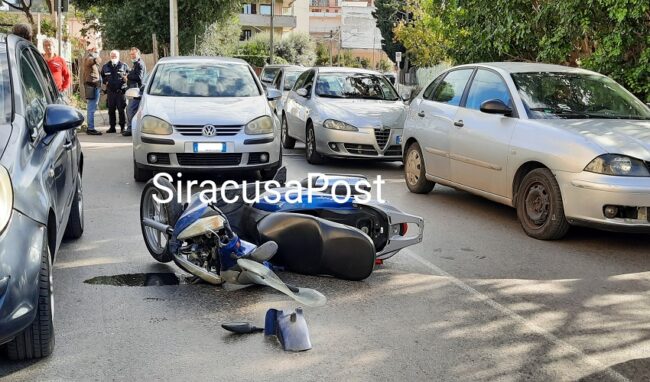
272, 94
496, 106
61, 117
133, 93
406, 96
302, 92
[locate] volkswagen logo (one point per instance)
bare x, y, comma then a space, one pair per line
209, 131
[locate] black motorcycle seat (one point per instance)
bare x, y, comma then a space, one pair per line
314, 246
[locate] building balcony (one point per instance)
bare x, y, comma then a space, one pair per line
264, 21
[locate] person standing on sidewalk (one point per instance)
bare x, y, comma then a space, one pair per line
135, 79
92, 86
57, 65
114, 75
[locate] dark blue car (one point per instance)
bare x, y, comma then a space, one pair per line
40, 195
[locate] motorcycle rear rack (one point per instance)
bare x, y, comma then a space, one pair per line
397, 242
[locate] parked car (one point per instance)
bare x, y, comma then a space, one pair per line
284, 81
344, 112
268, 73
564, 146
41, 196
207, 114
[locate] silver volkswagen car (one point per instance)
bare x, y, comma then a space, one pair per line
563, 145
207, 114
344, 112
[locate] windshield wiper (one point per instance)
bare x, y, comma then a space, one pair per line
330, 95
561, 112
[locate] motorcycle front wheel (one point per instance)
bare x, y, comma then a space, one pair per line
155, 240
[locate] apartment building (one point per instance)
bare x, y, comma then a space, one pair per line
288, 16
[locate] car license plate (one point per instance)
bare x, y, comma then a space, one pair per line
212, 147
398, 139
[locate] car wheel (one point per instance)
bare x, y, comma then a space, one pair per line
37, 340
155, 240
539, 206
312, 155
287, 141
415, 172
75, 227
141, 175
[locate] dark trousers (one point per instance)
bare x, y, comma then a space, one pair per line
115, 100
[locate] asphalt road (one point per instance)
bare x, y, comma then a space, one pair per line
477, 300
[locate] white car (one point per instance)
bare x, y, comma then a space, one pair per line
344, 112
284, 81
565, 146
206, 114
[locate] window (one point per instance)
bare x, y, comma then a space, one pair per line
309, 81
248, 9
451, 89
49, 84
290, 79
203, 80
246, 34
34, 97
486, 86
429, 90
5, 87
265, 9
277, 80
268, 74
301, 80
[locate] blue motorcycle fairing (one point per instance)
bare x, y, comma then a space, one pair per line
194, 211
319, 201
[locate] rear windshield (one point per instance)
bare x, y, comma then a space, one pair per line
203, 80
5, 87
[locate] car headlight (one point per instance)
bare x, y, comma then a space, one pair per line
153, 125
619, 165
261, 125
338, 125
6, 198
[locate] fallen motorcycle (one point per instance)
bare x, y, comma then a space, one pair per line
310, 239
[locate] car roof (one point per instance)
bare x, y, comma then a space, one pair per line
339, 69
274, 66
528, 67
202, 59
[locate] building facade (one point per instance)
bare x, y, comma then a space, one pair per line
288, 16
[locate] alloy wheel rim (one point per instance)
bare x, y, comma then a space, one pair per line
153, 211
537, 204
413, 167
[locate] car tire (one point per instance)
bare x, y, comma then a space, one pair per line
169, 211
75, 227
539, 206
37, 340
141, 175
415, 172
287, 141
312, 155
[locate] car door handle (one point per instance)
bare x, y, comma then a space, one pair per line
421, 114
459, 123
67, 145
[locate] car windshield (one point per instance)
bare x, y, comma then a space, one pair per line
355, 85
268, 74
290, 80
5, 87
576, 95
203, 80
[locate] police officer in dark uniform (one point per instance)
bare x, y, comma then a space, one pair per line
114, 75
134, 79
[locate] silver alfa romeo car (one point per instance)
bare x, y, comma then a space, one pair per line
344, 112
563, 145
206, 114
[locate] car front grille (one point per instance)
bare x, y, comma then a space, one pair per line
188, 159
382, 137
394, 151
360, 149
197, 130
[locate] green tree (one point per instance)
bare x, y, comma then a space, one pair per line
385, 66
221, 38
388, 13
322, 54
296, 48
127, 23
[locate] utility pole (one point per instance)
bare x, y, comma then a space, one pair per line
271, 40
331, 42
173, 27
59, 24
